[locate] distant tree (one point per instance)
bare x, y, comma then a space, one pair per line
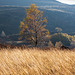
50, 44
58, 29
33, 27
3, 34
73, 44
58, 44
64, 38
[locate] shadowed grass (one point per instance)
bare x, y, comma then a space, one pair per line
37, 62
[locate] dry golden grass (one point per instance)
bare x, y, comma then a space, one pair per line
37, 62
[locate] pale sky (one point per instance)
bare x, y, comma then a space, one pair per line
71, 2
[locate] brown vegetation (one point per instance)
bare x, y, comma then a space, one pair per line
8, 46
37, 62
64, 47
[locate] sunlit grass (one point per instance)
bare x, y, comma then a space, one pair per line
37, 62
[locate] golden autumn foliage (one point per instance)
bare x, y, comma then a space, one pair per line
33, 27
37, 62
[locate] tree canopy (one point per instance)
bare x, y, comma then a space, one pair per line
63, 37
32, 27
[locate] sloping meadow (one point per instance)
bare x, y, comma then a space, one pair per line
37, 62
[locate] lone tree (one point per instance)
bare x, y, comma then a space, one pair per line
33, 27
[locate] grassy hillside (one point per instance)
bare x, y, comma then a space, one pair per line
37, 62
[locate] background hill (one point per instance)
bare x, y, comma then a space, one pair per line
58, 15
10, 18
25, 2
